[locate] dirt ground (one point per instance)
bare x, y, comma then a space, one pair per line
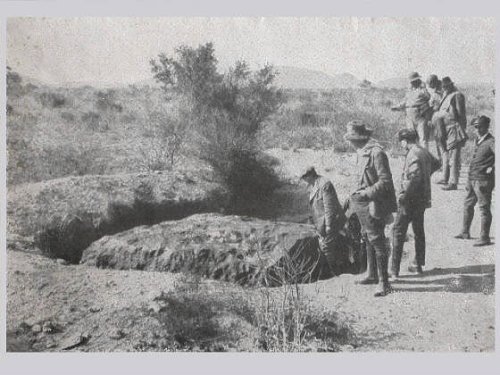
53, 306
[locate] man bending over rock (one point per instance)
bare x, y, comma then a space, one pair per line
327, 214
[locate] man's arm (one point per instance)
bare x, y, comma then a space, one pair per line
413, 182
330, 203
381, 164
460, 107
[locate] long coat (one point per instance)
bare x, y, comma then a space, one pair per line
419, 165
325, 206
451, 118
375, 178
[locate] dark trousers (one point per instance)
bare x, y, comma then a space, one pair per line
376, 247
405, 216
478, 192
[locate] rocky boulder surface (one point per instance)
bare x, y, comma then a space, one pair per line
66, 215
232, 248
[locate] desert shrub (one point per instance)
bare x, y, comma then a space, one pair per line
52, 99
94, 121
68, 116
106, 101
227, 111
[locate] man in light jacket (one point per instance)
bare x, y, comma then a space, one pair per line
327, 214
451, 120
414, 198
373, 201
418, 110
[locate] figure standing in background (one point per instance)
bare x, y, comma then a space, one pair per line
435, 89
481, 182
451, 122
418, 110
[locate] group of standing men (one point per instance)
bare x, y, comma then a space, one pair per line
438, 113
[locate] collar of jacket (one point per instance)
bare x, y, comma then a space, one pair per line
315, 188
367, 149
483, 138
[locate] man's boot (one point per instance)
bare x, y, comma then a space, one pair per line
484, 239
466, 223
383, 286
446, 175
450, 187
371, 263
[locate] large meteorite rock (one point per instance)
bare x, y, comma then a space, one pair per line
233, 248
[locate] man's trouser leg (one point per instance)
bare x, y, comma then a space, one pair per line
371, 261
469, 203
454, 157
446, 164
483, 190
417, 223
374, 229
399, 228
327, 248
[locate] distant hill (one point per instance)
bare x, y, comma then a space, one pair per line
396, 82
298, 78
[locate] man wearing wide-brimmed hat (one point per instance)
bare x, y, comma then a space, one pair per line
413, 199
327, 214
451, 120
418, 110
373, 201
481, 182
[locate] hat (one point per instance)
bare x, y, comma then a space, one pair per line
308, 172
414, 76
480, 120
447, 81
409, 135
432, 80
357, 131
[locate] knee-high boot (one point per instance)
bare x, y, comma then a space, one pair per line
372, 276
383, 286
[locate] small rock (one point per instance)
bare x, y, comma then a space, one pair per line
95, 309
37, 328
50, 344
48, 327
75, 340
117, 334
62, 262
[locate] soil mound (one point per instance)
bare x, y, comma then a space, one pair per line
66, 215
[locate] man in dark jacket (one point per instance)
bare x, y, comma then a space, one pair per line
414, 198
481, 182
451, 120
373, 202
327, 214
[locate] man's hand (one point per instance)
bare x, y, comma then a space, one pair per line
328, 229
489, 170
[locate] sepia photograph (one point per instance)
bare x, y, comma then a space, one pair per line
250, 184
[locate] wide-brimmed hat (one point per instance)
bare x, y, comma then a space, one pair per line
414, 76
409, 135
446, 82
308, 172
357, 131
481, 120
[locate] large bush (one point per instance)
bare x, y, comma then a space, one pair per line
226, 111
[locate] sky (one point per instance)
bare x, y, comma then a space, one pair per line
118, 50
